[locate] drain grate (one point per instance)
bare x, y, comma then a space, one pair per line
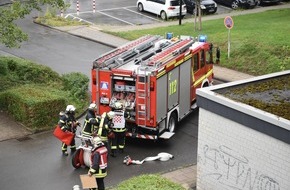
24, 139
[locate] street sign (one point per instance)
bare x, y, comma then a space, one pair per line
229, 23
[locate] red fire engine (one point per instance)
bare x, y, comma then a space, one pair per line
155, 79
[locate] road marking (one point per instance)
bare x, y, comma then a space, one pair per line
117, 18
80, 19
102, 11
142, 14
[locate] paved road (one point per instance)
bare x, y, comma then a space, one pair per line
36, 162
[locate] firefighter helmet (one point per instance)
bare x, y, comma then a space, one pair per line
111, 114
97, 141
93, 106
70, 108
118, 105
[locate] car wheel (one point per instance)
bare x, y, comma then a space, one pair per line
140, 7
258, 3
172, 122
163, 15
235, 4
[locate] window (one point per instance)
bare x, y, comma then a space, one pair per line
202, 61
195, 62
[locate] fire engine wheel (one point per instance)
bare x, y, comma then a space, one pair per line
76, 162
172, 123
140, 7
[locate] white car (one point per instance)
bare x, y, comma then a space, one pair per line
163, 8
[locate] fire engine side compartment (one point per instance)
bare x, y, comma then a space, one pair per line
105, 91
173, 92
184, 89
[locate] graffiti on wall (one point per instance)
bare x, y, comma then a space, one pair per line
233, 170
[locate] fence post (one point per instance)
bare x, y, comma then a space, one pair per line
78, 8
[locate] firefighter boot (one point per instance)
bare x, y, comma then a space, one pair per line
64, 152
72, 150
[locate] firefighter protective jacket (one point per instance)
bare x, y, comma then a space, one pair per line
99, 162
104, 127
91, 123
66, 122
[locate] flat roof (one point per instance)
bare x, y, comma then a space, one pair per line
261, 103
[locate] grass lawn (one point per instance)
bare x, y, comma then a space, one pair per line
260, 42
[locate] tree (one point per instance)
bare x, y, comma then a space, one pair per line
197, 12
10, 34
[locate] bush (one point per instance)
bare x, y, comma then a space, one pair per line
77, 83
36, 107
22, 72
149, 182
34, 94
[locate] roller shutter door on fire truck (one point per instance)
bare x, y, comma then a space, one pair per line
172, 88
184, 88
161, 98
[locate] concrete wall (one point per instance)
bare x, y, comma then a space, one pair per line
232, 156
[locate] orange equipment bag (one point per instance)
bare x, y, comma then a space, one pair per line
64, 136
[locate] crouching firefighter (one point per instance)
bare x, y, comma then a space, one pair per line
98, 167
119, 129
104, 127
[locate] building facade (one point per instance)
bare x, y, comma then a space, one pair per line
241, 147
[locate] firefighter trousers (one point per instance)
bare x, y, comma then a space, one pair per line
72, 146
118, 142
100, 184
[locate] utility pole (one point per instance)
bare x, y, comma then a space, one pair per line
180, 11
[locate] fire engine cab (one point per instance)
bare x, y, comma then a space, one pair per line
155, 79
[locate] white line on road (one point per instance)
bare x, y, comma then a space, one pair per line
116, 18
142, 14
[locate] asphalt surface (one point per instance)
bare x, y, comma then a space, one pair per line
13, 130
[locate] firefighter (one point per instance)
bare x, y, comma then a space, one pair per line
98, 167
92, 121
67, 122
105, 127
119, 137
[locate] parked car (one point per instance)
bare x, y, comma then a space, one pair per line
207, 6
163, 8
235, 4
268, 2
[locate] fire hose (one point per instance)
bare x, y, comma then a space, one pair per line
163, 156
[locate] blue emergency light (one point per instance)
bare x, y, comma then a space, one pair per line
202, 38
169, 35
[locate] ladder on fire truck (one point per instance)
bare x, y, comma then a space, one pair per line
171, 52
123, 54
142, 96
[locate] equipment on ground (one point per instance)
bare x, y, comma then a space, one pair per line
82, 156
155, 79
163, 156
